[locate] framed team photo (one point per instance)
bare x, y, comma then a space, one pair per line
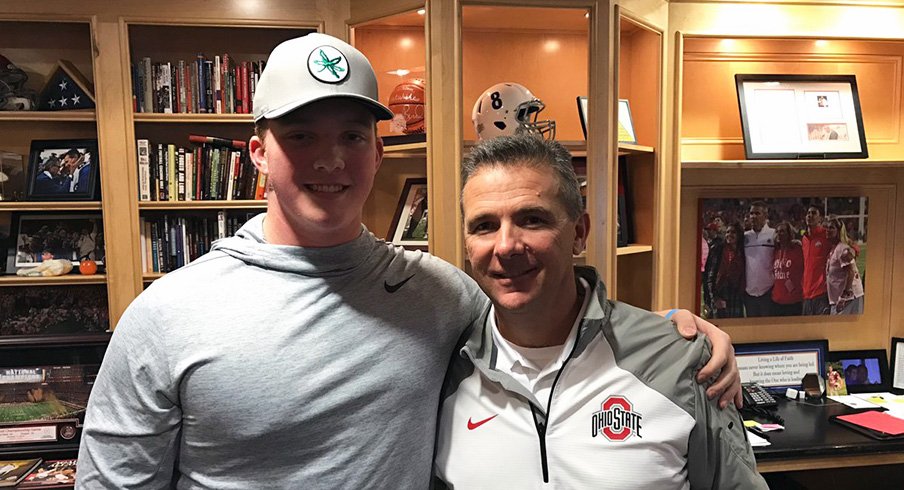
767, 256
409, 223
801, 116
62, 170
42, 237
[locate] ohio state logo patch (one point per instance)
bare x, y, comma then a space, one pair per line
617, 419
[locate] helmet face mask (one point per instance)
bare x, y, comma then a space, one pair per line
507, 109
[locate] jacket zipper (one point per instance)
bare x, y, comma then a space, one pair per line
541, 425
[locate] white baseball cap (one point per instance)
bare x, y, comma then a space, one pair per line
311, 68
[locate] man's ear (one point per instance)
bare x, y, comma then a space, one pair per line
379, 142
258, 155
581, 232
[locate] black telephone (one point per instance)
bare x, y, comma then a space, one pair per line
756, 396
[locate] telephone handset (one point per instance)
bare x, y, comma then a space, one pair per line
756, 396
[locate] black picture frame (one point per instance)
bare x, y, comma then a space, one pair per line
755, 360
63, 170
800, 116
897, 365
67, 236
413, 207
624, 234
875, 362
626, 133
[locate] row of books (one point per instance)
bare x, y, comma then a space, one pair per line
37, 473
169, 242
214, 169
221, 85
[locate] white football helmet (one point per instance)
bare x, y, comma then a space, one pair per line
508, 109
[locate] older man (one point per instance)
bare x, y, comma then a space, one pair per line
560, 385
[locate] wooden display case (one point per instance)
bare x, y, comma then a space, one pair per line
395, 44
640, 47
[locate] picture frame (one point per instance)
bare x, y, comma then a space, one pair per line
872, 377
800, 116
64, 236
409, 223
625, 121
897, 365
63, 170
778, 366
624, 234
726, 238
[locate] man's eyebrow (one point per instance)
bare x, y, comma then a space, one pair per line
478, 218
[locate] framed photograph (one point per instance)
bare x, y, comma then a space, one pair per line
863, 371
625, 224
801, 116
897, 365
42, 237
583, 113
62, 170
781, 365
767, 256
409, 223
54, 310
625, 122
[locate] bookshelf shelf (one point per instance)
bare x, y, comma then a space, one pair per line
50, 206
629, 149
189, 205
44, 116
790, 164
152, 276
634, 249
149, 117
410, 150
68, 279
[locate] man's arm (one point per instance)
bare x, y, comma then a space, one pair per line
132, 423
727, 386
718, 453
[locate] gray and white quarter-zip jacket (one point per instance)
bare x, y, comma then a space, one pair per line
624, 412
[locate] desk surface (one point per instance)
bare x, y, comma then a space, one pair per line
811, 441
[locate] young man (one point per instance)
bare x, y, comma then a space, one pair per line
559, 385
816, 254
303, 352
759, 246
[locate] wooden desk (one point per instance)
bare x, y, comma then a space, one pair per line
811, 441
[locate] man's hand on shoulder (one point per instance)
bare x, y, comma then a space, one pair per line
727, 386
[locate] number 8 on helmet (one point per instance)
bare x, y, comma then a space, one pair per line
507, 109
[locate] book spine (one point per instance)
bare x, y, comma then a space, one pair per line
144, 170
166, 89
217, 84
208, 81
230, 173
189, 175
214, 173
180, 183
143, 238
147, 86
202, 85
221, 224
162, 177
172, 189
261, 187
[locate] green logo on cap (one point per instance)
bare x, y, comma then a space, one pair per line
331, 64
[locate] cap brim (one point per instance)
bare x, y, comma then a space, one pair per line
381, 112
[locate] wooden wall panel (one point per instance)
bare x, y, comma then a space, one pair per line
711, 128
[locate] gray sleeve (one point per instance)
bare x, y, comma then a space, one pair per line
133, 419
719, 456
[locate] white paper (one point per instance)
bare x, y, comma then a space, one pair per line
853, 401
757, 441
32, 433
897, 377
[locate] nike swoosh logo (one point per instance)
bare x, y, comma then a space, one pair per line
391, 288
474, 425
